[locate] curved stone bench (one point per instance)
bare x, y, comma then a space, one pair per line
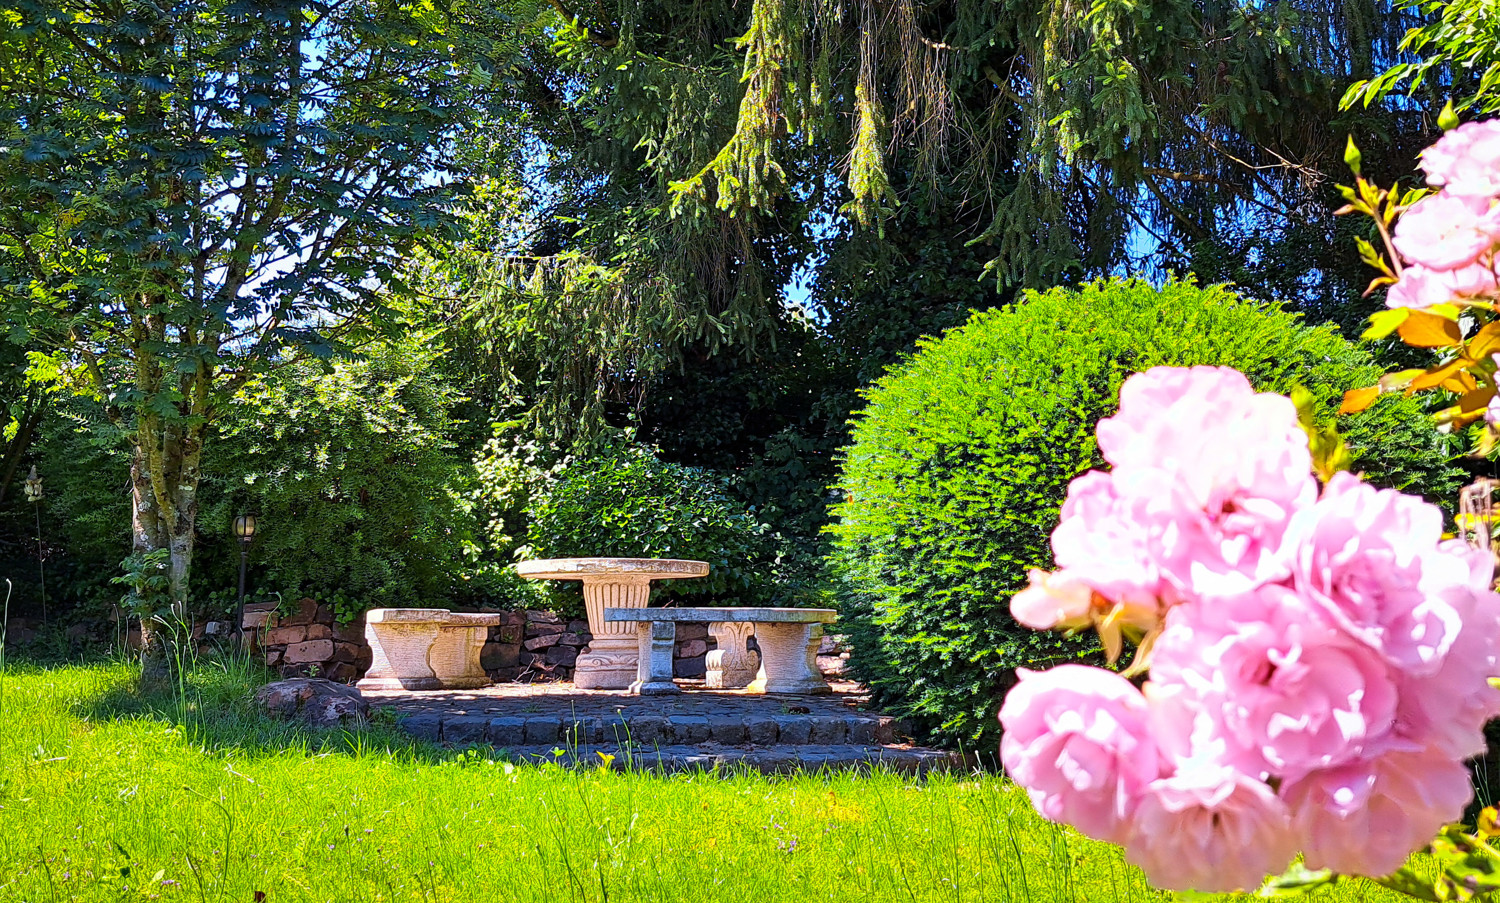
425, 649
788, 640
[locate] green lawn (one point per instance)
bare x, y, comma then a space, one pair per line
107, 797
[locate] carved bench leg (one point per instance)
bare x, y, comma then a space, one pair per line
399, 656
789, 659
732, 665
656, 641
455, 658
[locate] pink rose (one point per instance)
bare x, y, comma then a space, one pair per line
1445, 232
1105, 541
1420, 288
1078, 739
1053, 601
1367, 817
1286, 691
1447, 709
1466, 161
1209, 473
1210, 829
1361, 554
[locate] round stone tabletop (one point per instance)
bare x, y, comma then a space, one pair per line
582, 568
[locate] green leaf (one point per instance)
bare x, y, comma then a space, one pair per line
1297, 881
1384, 323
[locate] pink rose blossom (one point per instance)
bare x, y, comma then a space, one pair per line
1367, 817
1360, 558
1420, 288
1284, 689
1466, 161
1447, 710
1211, 829
1445, 232
1078, 739
1105, 541
1053, 601
1210, 472
1333, 647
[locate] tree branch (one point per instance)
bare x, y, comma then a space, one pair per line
604, 39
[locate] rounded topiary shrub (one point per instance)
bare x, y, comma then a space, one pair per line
627, 503
961, 460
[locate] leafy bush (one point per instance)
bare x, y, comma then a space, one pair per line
357, 490
962, 458
627, 503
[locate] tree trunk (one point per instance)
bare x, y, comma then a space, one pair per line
164, 473
36, 407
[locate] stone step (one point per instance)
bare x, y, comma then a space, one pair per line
645, 730
767, 760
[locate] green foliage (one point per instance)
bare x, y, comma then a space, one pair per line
200, 191
148, 591
85, 512
355, 486
630, 504
962, 458
1460, 46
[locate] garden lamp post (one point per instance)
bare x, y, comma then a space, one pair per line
33, 489
244, 530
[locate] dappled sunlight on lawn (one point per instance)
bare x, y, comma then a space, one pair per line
197, 797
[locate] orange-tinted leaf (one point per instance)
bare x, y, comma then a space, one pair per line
1460, 383
1485, 342
1470, 408
1425, 330
1437, 375
1476, 401
1356, 400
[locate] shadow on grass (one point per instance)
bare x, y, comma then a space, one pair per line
211, 701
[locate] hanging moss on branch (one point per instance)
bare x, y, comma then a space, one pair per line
745, 174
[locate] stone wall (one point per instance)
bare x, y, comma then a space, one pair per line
527, 646
308, 641
539, 645
22, 632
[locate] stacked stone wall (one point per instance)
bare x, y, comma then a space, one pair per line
308, 641
527, 646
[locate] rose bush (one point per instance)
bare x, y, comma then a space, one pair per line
1441, 263
1316, 657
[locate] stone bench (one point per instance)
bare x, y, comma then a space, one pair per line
425, 649
788, 640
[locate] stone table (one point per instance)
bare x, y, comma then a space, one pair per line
611, 660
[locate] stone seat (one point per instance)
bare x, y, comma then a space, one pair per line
425, 649
788, 639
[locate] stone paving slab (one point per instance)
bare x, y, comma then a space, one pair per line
700, 729
516, 714
562, 698
772, 760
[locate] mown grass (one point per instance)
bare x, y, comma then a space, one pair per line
193, 796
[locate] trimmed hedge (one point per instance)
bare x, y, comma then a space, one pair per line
961, 460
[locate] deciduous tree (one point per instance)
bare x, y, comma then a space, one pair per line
191, 192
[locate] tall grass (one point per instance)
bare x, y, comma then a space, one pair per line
105, 795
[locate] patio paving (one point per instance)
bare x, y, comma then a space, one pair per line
699, 729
